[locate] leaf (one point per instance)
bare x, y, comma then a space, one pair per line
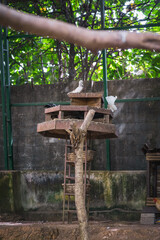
59, 61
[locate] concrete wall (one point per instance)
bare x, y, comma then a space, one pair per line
37, 182
38, 195
137, 123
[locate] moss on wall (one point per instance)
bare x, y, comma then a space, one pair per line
42, 190
121, 189
6, 192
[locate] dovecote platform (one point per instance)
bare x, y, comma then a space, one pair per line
60, 118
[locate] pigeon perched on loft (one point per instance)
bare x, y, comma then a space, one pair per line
111, 105
78, 89
49, 105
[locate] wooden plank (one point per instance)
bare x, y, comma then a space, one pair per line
90, 135
156, 156
102, 120
152, 159
86, 95
95, 102
52, 109
90, 99
49, 125
66, 108
153, 156
77, 108
77, 112
57, 128
94, 126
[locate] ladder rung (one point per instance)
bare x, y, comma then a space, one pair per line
70, 178
72, 162
71, 211
69, 194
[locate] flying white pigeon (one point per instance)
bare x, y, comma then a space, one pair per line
111, 105
78, 89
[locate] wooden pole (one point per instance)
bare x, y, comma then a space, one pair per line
77, 137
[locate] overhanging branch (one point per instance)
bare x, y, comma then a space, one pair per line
91, 39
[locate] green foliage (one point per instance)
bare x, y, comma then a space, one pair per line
38, 60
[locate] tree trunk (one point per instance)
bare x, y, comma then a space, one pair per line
77, 137
72, 71
79, 193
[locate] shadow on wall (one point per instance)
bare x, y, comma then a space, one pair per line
136, 122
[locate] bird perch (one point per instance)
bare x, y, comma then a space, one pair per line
91, 39
77, 137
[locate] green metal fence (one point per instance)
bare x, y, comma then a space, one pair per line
5, 87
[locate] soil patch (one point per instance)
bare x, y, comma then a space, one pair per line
97, 230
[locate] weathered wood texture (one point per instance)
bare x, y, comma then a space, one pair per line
57, 128
79, 189
90, 102
153, 157
60, 118
90, 99
77, 112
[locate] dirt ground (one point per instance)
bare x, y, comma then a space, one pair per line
98, 230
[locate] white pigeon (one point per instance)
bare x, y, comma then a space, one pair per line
79, 88
111, 105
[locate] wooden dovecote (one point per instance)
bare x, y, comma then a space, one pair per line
60, 118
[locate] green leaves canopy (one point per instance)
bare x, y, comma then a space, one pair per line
40, 60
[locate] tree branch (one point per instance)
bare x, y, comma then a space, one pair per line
91, 39
77, 137
87, 120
